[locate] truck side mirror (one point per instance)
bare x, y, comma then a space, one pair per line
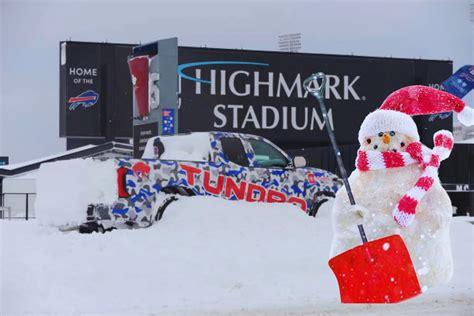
299, 162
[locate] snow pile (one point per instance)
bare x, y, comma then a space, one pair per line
192, 147
206, 252
207, 255
65, 188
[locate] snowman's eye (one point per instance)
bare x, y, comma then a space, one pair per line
369, 140
402, 144
392, 133
375, 146
380, 134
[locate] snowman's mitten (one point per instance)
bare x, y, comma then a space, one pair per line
358, 214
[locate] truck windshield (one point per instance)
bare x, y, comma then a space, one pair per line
267, 156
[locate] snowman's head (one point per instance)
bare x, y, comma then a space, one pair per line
387, 130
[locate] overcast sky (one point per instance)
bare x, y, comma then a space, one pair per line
31, 32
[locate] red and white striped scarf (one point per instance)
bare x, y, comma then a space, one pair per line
404, 211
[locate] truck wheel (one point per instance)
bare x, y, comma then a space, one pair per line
163, 207
315, 207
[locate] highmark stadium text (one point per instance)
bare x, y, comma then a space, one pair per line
269, 117
243, 83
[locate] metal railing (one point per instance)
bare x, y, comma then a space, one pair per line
5, 209
15, 209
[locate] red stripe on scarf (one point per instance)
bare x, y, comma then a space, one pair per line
415, 151
392, 159
407, 204
434, 162
425, 183
362, 161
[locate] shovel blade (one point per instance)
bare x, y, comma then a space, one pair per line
379, 271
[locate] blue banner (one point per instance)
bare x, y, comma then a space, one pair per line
168, 119
461, 82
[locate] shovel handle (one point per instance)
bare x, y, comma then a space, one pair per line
317, 92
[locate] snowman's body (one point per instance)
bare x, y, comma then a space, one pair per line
427, 238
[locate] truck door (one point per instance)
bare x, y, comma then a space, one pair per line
269, 165
272, 167
235, 168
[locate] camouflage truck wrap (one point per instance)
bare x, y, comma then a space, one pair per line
234, 167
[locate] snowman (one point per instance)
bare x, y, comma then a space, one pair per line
396, 185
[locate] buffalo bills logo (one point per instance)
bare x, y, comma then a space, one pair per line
86, 99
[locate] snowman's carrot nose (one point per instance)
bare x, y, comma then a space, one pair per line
386, 139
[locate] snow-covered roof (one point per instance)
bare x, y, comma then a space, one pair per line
25, 176
34, 161
118, 149
191, 147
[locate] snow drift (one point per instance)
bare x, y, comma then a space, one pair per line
206, 256
63, 199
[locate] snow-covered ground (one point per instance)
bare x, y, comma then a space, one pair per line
206, 256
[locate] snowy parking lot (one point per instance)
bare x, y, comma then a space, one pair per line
206, 256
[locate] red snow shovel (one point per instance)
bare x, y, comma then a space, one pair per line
379, 271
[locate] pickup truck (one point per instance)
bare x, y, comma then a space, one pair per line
232, 166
